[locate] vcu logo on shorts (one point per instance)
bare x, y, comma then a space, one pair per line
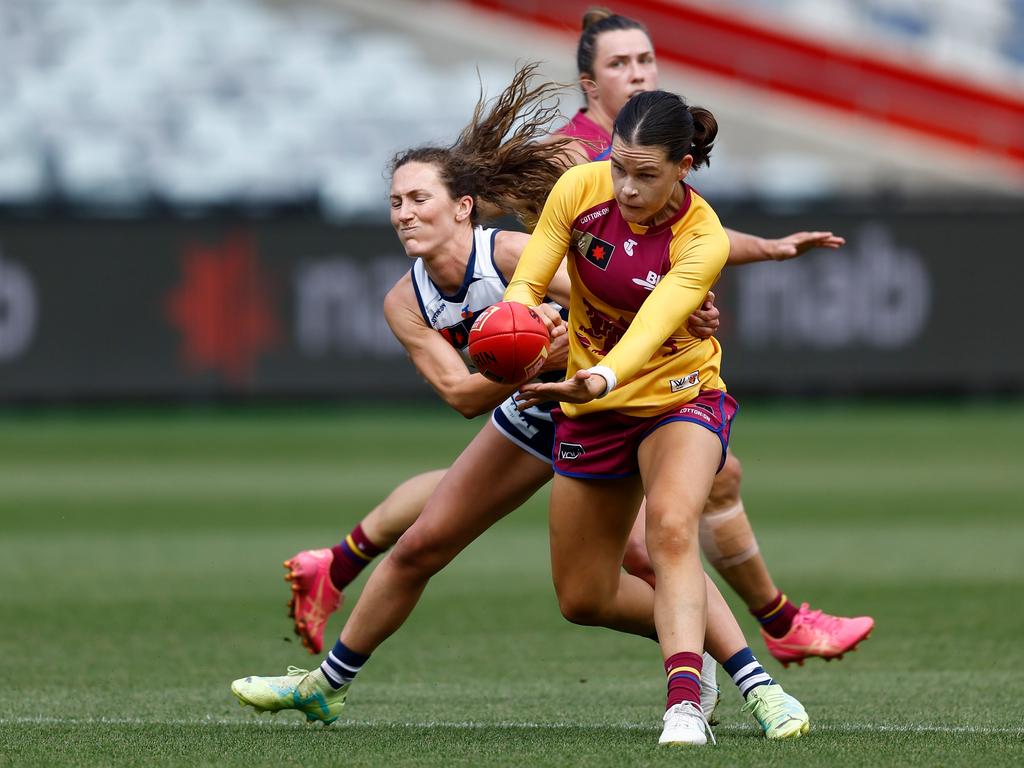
595, 250
569, 451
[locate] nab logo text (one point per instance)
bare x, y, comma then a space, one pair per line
570, 451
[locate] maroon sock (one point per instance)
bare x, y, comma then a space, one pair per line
683, 670
353, 554
776, 617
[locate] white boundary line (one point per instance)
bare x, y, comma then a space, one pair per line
505, 725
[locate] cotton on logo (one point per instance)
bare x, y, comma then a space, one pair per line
18, 309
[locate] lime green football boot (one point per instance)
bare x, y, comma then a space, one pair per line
308, 692
779, 714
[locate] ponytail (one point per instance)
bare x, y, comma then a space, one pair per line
663, 119
705, 129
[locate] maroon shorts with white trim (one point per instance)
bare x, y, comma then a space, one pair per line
604, 444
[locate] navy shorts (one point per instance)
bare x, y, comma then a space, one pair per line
532, 430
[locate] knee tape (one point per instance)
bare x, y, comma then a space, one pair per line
727, 538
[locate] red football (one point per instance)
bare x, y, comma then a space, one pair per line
508, 342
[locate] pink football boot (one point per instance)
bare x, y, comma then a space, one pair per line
814, 633
314, 597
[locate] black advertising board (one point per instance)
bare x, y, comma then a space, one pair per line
170, 307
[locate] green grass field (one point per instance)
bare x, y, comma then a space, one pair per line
140, 573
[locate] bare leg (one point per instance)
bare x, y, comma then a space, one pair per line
678, 463
584, 603
392, 517
490, 478
726, 537
590, 521
636, 561
723, 638
729, 542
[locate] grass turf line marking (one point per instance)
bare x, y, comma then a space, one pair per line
469, 725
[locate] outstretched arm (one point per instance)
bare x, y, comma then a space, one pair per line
746, 249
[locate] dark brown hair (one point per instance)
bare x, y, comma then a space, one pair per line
663, 119
597, 21
498, 158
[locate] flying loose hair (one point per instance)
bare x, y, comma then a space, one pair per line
506, 157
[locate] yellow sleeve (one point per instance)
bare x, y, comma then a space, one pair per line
696, 266
549, 242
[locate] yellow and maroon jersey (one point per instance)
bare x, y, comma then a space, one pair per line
633, 289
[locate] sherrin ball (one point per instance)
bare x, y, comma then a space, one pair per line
508, 343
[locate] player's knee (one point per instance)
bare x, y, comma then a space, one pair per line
725, 492
420, 553
585, 600
671, 533
581, 607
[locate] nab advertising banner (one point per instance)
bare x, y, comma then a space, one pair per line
293, 307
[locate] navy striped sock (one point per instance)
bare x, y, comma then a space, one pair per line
746, 671
342, 665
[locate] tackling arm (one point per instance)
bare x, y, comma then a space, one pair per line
471, 394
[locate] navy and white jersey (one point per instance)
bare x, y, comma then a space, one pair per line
453, 315
483, 285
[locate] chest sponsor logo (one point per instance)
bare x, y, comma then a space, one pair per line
570, 451
457, 334
595, 250
684, 382
649, 282
628, 246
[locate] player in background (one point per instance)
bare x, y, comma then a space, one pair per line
615, 59
643, 412
461, 269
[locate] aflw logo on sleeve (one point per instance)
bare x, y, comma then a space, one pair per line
595, 250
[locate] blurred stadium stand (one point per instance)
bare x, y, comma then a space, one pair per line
118, 105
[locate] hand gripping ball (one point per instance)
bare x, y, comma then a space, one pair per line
508, 342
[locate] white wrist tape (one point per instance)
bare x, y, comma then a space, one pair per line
609, 377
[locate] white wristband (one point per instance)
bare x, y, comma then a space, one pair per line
609, 377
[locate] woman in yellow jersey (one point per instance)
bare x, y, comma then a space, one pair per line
616, 59
643, 408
